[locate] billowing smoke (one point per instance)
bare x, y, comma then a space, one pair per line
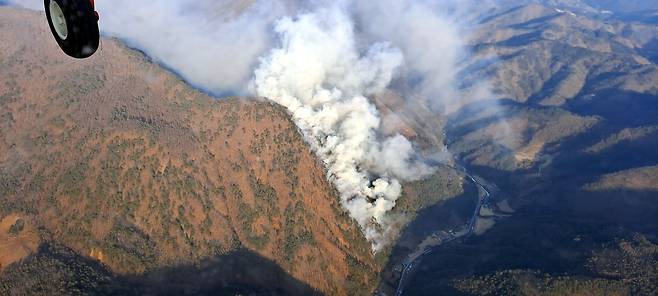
214, 45
431, 42
324, 61
432, 35
322, 76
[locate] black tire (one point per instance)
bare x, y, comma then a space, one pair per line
82, 26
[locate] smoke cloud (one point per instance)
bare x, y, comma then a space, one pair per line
432, 36
214, 45
324, 61
323, 78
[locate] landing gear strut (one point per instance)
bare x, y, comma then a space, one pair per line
74, 24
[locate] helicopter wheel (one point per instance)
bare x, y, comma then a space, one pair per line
74, 25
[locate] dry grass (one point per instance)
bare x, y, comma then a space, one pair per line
125, 163
16, 244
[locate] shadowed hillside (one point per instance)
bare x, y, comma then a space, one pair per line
569, 151
61, 269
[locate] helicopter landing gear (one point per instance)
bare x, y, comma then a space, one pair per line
74, 24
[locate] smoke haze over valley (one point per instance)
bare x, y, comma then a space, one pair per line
312, 59
348, 147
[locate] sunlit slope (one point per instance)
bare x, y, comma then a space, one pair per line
121, 161
571, 149
562, 78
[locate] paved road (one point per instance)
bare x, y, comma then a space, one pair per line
412, 262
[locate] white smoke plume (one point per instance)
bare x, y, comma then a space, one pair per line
431, 42
323, 61
214, 45
432, 35
322, 76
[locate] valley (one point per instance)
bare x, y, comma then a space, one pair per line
119, 177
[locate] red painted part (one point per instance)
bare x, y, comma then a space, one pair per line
95, 12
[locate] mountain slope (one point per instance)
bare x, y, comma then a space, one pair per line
566, 148
121, 161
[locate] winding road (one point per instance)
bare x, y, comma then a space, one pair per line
484, 197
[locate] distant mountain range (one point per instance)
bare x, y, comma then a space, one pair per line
151, 186
590, 6
569, 148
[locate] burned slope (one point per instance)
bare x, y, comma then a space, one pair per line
122, 162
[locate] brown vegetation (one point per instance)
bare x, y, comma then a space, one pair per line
122, 161
639, 179
18, 239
